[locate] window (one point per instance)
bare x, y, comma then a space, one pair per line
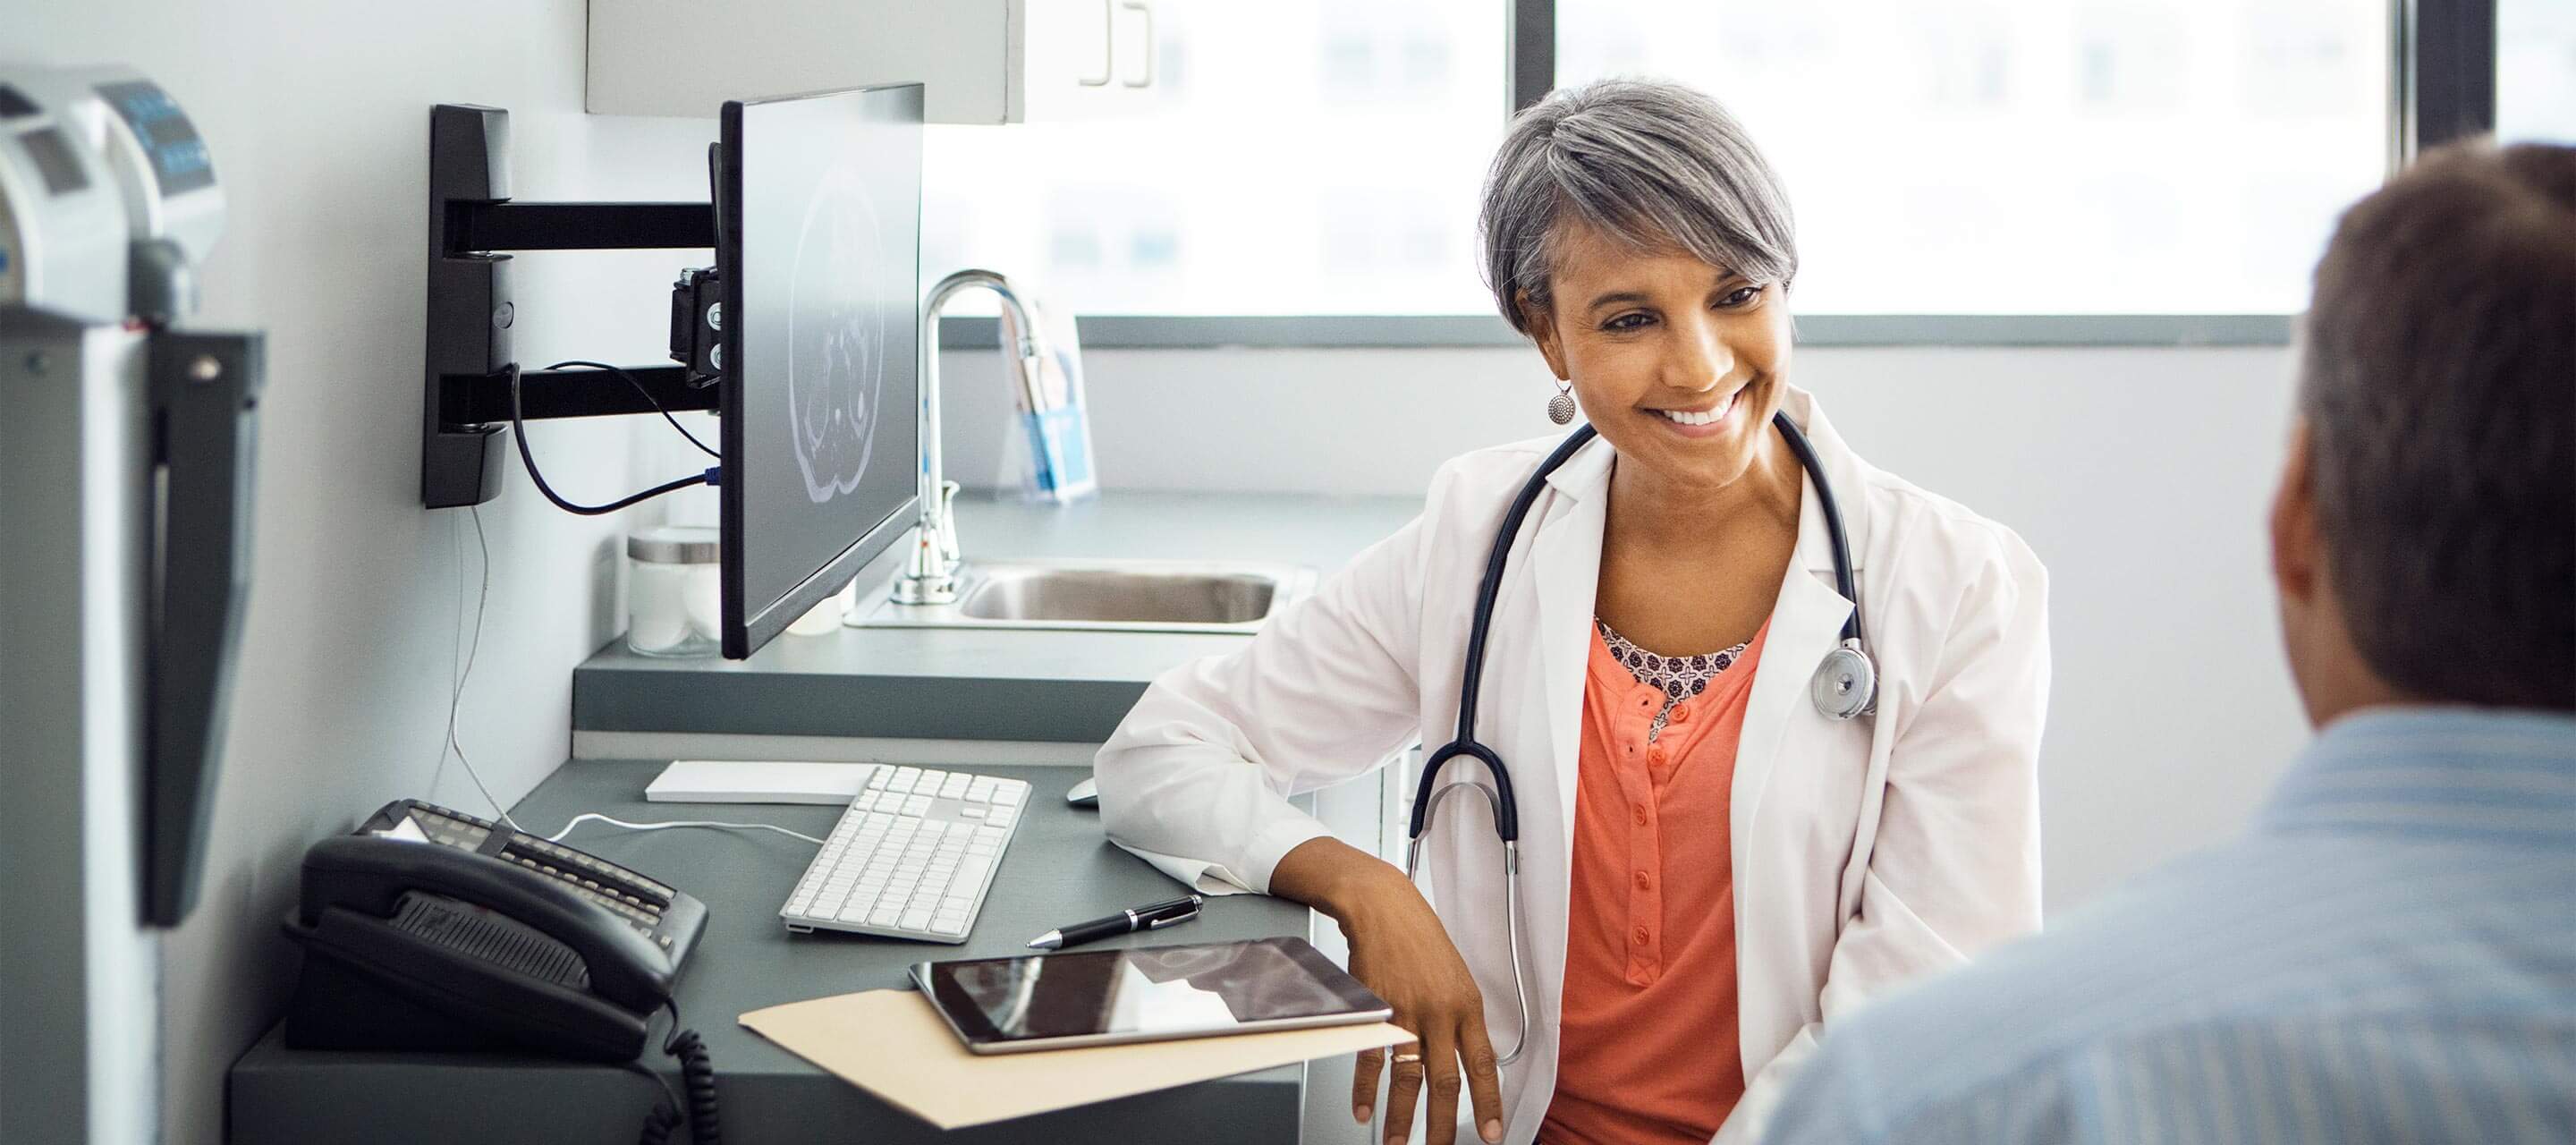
2108, 160
2536, 71
1316, 157
2034, 156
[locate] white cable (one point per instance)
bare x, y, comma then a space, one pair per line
577, 821
456, 699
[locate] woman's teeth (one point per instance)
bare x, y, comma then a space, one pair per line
1704, 417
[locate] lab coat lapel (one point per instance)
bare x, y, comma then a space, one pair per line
1566, 560
1806, 623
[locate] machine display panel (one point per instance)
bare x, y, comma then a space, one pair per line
178, 154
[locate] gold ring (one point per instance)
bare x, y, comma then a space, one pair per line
1406, 1059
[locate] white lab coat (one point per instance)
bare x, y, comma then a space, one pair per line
1866, 853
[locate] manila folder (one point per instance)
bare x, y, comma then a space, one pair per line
892, 1044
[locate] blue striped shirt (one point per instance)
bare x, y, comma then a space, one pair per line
2389, 955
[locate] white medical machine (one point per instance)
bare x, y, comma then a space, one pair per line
125, 448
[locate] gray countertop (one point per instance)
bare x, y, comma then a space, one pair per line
1059, 869
1068, 687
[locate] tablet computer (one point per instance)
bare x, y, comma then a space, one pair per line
1154, 993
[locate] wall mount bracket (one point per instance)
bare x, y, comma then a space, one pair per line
469, 353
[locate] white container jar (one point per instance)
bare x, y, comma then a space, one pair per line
673, 590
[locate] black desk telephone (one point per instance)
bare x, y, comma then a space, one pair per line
429, 929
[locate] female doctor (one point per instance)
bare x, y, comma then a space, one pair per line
1712, 865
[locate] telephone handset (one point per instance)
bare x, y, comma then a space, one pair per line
431, 929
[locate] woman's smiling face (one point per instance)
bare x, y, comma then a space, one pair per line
1679, 363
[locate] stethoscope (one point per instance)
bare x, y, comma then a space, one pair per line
1845, 686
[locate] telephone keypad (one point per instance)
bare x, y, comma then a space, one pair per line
633, 897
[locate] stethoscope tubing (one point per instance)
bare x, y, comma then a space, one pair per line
1499, 797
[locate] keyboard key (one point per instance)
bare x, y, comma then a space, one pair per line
917, 805
917, 918
948, 926
903, 778
973, 870
1009, 794
877, 779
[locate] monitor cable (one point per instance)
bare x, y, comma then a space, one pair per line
519, 430
649, 399
456, 693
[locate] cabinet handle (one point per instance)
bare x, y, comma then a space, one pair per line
1108, 47
1147, 10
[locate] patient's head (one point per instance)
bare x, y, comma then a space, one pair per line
2424, 537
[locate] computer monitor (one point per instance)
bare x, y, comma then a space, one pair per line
818, 249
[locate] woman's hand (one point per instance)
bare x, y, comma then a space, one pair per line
1400, 951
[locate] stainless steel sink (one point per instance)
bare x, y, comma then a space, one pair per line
1110, 596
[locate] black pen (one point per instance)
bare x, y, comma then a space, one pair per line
1154, 916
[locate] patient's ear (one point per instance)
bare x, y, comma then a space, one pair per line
2298, 547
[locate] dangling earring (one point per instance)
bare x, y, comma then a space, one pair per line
1560, 409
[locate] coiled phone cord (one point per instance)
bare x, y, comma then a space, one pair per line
697, 1076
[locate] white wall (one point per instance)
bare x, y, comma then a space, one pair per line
2139, 475
316, 113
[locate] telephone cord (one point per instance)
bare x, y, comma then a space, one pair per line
697, 1076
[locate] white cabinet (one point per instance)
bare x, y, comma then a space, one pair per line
983, 61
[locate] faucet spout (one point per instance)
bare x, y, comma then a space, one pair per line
931, 575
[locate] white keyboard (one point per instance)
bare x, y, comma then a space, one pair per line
912, 857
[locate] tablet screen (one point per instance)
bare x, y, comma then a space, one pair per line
1142, 994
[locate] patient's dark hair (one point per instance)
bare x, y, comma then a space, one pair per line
2439, 386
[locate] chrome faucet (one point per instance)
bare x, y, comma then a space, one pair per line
931, 576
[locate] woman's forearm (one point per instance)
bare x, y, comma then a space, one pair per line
1332, 877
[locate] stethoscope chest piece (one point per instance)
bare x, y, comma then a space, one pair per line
1845, 684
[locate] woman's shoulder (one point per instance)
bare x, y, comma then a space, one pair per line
1913, 526
1474, 487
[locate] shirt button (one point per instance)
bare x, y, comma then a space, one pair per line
1641, 816
1642, 881
1641, 936
1655, 756
1680, 716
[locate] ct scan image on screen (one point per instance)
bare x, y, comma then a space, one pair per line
830, 279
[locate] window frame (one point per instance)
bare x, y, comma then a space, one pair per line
2441, 88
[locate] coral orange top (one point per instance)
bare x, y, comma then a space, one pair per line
1647, 1045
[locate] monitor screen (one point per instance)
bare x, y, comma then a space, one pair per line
819, 249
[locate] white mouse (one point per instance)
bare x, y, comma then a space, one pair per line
1084, 794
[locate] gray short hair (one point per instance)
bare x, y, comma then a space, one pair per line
1651, 163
